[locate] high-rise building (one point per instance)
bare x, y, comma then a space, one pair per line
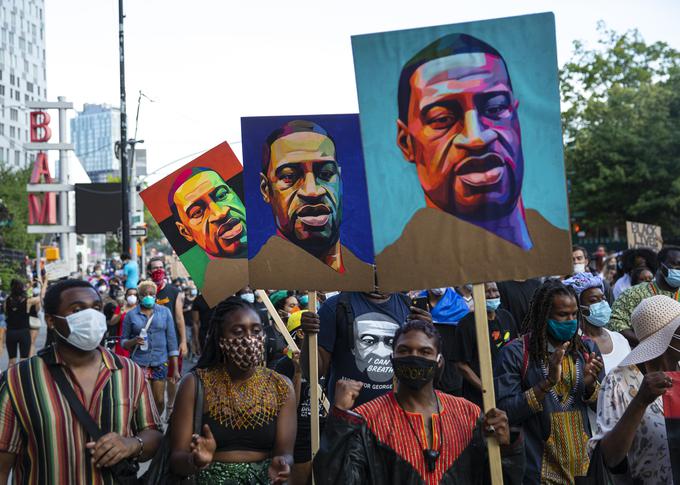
94, 132
22, 74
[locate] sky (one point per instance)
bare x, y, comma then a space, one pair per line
207, 63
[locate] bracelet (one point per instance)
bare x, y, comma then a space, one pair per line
141, 447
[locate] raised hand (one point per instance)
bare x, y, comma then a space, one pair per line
346, 392
555, 369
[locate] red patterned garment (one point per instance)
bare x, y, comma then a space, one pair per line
375, 444
457, 420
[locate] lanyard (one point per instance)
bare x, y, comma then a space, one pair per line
657, 291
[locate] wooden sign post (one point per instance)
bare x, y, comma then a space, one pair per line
314, 378
486, 375
281, 327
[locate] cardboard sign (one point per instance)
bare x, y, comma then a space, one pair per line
200, 210
56, 270
306, 193
463, 148
644, 235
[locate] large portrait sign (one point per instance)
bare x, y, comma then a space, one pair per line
200, 210
463, 149
306, 189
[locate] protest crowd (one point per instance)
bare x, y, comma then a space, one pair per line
219, 395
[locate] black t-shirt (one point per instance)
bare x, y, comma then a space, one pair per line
168, 297
204, 314
501, 331
516, 297
450, 381
367, 357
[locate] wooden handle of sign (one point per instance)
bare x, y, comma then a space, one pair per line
314, 378
486, 371
281, 327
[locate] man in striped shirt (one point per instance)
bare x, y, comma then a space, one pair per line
41, 440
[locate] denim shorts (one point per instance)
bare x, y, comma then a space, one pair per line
3, 321
159, 373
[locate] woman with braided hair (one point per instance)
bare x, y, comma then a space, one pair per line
249, 412
545, 381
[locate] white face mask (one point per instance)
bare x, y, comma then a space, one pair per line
87, 329
131, 299
249, 297
36, 291
579, 268
438, 291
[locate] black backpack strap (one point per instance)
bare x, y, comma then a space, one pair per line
198, 404
76, 406
344, 318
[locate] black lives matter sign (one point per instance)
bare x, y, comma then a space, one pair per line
644, 235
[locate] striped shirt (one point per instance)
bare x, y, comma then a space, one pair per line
38, 426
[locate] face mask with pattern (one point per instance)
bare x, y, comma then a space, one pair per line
244, 352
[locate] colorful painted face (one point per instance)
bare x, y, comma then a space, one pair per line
304, 189
212, 215
463, 134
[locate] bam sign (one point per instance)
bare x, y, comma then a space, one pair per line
48, 208
42, 209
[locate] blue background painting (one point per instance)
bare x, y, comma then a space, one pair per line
527, 44
355, 228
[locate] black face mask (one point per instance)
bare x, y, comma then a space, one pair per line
413, 371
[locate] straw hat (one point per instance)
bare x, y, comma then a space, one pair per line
654, 321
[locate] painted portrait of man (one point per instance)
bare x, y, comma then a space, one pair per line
458, 122
301, 182
209, 213
373, 341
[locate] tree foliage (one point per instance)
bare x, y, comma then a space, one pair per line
622, 132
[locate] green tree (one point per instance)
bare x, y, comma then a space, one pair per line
13, 232
622, 133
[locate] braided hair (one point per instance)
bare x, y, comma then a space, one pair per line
212, 355
536, 321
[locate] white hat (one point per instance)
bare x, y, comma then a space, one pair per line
654, 321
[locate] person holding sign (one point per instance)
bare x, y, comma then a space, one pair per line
545, 382
356, 333
630, 419
412, 435
666, 282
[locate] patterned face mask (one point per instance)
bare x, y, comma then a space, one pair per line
244, 352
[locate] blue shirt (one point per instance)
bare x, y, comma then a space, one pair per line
131, 274
450, 309
161, 336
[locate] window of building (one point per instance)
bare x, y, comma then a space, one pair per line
13, 114
17, 95
2, 129
29, 87
2, 90
12, 132
17, 158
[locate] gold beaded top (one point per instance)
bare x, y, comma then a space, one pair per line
248, 405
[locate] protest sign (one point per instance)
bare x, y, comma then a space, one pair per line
644, 235
306, 189
56, 270
464, 165
463, 147
200, 210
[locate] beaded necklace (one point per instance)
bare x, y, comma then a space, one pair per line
251, 404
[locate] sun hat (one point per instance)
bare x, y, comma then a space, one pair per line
654, 321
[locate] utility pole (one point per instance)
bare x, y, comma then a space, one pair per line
124, 183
